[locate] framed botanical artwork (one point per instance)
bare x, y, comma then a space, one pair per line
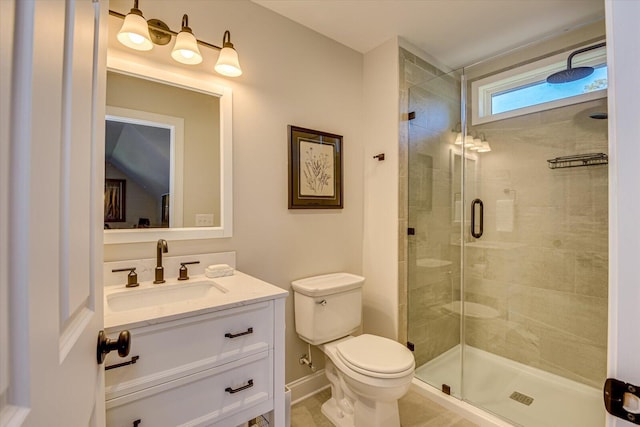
115, 193
315, 169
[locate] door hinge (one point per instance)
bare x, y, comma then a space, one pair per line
446, 389
411, 115
411, 231
622, 400
411, 346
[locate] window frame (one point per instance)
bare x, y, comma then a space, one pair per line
523, 76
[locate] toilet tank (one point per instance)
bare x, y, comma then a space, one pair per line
327, 307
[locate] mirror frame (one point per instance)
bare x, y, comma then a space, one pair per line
184, 79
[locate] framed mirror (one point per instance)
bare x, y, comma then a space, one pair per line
167, 154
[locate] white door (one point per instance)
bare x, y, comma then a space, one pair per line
53, 61
623, 57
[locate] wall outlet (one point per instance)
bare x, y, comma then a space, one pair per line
204, 220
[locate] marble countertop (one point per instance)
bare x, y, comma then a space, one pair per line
226, 292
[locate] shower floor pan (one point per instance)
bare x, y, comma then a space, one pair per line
523, 395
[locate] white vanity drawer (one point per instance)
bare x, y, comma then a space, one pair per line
170, 350
202, 399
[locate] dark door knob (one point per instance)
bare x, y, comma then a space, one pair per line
105, 345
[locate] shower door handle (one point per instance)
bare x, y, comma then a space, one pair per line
477, 202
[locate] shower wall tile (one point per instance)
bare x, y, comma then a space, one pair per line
580, 357
592, 274
415, 75
486, 334
427, 67
440, 335
583, 316
547, 268
523, 340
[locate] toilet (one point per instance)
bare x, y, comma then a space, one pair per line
367, 373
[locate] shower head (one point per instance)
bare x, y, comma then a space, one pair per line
572, 74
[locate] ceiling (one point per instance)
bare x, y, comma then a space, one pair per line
454, 32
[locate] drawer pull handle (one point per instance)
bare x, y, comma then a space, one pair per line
133, 360
244, 387
247, 332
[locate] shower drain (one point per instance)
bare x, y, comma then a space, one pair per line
521, 398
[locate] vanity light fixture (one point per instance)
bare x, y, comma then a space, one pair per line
139, 34
468, 141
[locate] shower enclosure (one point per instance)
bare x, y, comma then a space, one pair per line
507, 256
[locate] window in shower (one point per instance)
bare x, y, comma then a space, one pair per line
524, 90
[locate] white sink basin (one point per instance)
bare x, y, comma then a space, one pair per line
156, 295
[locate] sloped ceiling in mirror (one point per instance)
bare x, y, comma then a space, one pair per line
148, 163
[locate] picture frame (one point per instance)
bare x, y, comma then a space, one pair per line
315, 169
115, 196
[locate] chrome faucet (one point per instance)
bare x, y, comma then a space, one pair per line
161, 248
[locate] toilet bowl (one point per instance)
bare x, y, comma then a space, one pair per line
368, 373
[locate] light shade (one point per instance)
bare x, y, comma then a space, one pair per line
477, 144
468, 141
485, 147
135, 32
186, 49
458, 140
228, 64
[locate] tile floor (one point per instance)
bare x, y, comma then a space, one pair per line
415, 411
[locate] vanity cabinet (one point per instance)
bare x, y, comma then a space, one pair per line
218, 368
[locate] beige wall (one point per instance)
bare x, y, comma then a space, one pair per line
380, 247
292, 75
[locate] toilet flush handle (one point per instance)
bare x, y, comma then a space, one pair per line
322, 302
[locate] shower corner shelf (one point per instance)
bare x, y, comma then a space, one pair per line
578, 160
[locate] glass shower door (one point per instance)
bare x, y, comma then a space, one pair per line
434, 197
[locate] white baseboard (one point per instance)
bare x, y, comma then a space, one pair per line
307, 386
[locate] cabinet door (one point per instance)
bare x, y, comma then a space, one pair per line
226, 395
168, 351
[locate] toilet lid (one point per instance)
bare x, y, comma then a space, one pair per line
376, 356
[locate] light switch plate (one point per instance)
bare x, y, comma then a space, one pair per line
204, 220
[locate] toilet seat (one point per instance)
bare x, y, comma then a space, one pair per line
376, 356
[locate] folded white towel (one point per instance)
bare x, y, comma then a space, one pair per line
218, 270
